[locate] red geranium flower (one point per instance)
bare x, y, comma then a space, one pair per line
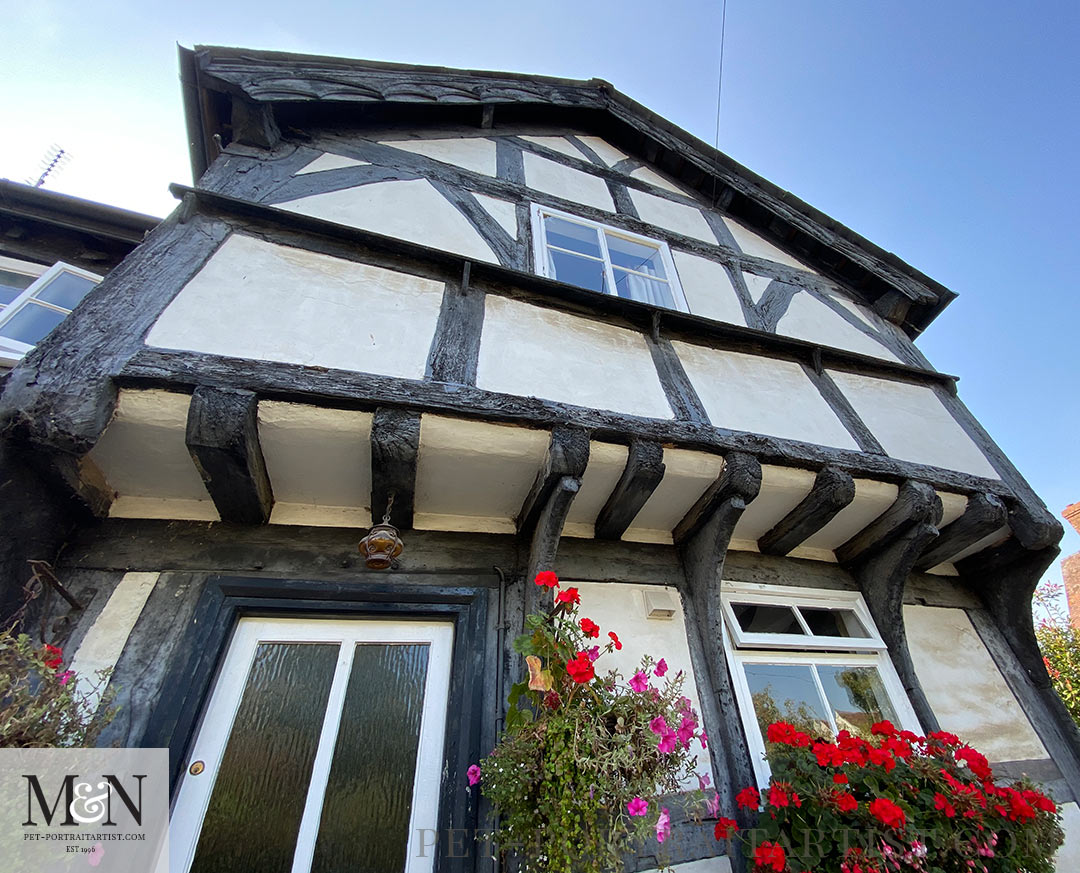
883, 729
770, 855
777, 796
581, 668
615, 639
845, 801
55, 657
725, 828
888, 813
978, 763
590, 628
569, 595
782, 732
941, 803
748, 798
840, 779
946, 738
547, 579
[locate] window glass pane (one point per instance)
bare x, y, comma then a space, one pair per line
632, 286
635, 256
857, 697
576, 237
787, 692
254, 812
365, 816
13, 284
578, 271
833, 622
760, 619
31, 323
65, 289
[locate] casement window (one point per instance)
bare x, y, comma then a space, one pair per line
35, 299
605, 259
812, 658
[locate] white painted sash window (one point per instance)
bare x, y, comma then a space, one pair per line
605, 259
320, 750
35, 299
809, 657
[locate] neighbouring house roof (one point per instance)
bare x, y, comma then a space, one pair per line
300, 90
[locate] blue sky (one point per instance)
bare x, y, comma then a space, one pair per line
943, 131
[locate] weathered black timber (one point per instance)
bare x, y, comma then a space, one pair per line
546, 534
567, 456
455, 348
323, 386
842, 408
253, 124
505, 247
223, 439
279, 188
395, 446
644, 470
681, 395
738, 484
621, 198
77, 479
984, 514
833, 489
751, 314
509, 161
774, 303
882, 574
915, 502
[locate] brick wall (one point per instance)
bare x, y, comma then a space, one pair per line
1070, 568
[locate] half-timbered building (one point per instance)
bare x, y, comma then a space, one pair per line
534, 326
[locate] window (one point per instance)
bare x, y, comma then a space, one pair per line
811, 658
605, 259
34, 300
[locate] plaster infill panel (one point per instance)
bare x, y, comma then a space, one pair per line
604, 150
556, 144
503, 211
1067, 859
144, 458
871, 499
411, 210
912, 424
647, 174
686, 476
606, 464
708, 289
782, 489
965, 689
474, 476
567, 183
759, 247
536, 352
670, 215
259, 300
329, 161
807, 318
762, 395
470, 153
621, 608
319, 463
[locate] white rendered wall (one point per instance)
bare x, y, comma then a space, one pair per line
809, 319
557, 144
329, 161
1067, 859
604, 150
686, 476
566, 182
503, 211
670, 215
708, 289
912, 424
412, 210
470, 153
646, 174
256, 299
761, 395
606, 464
538, 352
966, 690
759, 247
756, 285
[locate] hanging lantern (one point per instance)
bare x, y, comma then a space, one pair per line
382, 543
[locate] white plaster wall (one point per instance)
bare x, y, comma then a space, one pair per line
686, 476
329, 161
606, 464
503, 211
871, 499
411, 210
1067, 859
809, 319
912, 424
719, 864
707, 288
647, 174
470, 153
255, 299
557, 144
756, 285
759, 247
674, 216
761, 395
621, 608
604, 150
964, 686
566, 182
538, 352
319, 463
145, 460
782, 489
474, 475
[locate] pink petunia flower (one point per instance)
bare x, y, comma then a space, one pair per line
637, 806
703, 780
473, 774
65, 677
713, 805
639, 682
663, 825
661, 668
593, 653
704, 740
658, 725
667, 742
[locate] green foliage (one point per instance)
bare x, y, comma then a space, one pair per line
43, 705
1060, 645
578, 748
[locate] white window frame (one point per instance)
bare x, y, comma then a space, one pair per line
11, 350
540, 259
760, 648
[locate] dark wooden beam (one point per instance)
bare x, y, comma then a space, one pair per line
395, 444
915, 502
985, 513
253, 124
567, 456
833, 489
455, 348
644, 470
223, 439
737, 485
